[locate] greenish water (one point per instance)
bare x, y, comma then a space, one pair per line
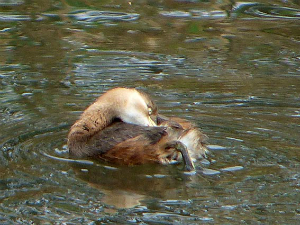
232, 68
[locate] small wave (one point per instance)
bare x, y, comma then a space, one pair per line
83, 162
15, 17
268, 11
195, 14
11, 3
96, 16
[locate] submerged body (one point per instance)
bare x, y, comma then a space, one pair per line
122, 126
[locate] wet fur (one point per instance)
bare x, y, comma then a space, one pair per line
130, 144
101, 134
187, 133
127, 144
102, 113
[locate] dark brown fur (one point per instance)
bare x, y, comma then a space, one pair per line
130, 144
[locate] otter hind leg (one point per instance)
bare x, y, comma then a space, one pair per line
180, 147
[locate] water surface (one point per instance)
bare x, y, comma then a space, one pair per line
231, 68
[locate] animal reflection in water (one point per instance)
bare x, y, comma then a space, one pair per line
126, 187
123, 127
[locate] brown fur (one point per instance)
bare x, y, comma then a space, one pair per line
100, 134
99, 115
186, 132
130, 144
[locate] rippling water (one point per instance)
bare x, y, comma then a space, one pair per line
232, 68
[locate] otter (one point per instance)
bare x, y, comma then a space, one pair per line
123, 127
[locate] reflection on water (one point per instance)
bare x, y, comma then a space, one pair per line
232, 68
126, 187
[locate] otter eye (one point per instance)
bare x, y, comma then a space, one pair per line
149, 111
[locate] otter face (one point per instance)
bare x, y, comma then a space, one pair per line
139, 109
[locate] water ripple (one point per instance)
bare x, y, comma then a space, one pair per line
274, 12
15, 17
79, 15
11, 2
268, 11
195, 14
95, 15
